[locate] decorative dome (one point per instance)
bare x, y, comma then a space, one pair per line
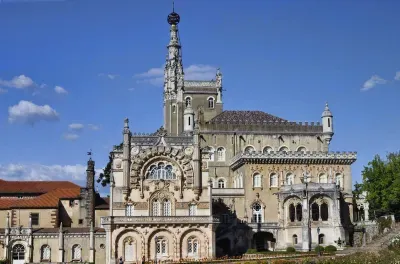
327, 112
173, 18
188, 110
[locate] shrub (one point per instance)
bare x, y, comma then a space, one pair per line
330, 248
251, 251
319, 248
290, 249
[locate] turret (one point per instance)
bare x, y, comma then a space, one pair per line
91, 194
327, 125
188, 117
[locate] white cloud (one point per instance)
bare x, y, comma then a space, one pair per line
93, 127
131, 89
71, 136
397, 76
39, 172
75, 126
30, 113
155, 76
108, 75
18, 82
372, 82
60, 90
3, 91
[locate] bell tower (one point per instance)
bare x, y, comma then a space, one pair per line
173, 80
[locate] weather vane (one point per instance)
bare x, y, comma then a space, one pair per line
89, 153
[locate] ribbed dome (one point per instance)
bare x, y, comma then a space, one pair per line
326, 112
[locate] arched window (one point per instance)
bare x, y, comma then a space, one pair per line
339, 180
174, 109
192, 209
249, 149
294, 239
324, 212
161, 248
211, 102
257, 180
257, 213
129, 210
76, 252
193, 246
45, 253
299, 212
289, 179
323, 178
315, 212
162, 171
18, 252
302, 149
284, 149
221, 184
167, 207
188, 101
292, 213
221, 154
267, 150
156, 208
321, 238
273, 180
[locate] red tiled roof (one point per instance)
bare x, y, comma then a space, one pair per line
33, 186
47, 200
251, 117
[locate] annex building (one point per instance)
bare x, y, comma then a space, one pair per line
209, 182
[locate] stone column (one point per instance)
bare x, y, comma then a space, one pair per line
126, 155
109, 243
30, 240
196, 162
305, 225
60, 244
210, 196
91, 243
7, 236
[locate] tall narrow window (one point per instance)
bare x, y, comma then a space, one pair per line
323, 178
221, 184
189, 120
45, 253
329, 122
299, 212
284, 149
289, 179
257, 213
167, 208
35, 218
339, 180
273, 179
129, 210
221, 154
292, 213
188, 101
211, 102
193, 246
192, 209
324, 212
161, 248
240, 180
156, 208
257, 180
321, 238
267, 150
315, 212
249, 150
174, 109
294, 239
76, 252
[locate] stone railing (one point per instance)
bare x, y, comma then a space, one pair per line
228, 192
263, 225
159, 220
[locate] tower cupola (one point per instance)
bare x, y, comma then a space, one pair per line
327, 124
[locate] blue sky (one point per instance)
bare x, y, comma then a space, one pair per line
71, 71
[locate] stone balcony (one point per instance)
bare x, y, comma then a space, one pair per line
159, 220
227, 192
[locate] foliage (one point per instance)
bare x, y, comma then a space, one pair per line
384, 223
330, 248
104, 177
382, 182
4, 261
319, 248
290, 249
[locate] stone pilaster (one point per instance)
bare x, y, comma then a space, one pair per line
60, 244
91, 243
126, 155
196, 162
305, 226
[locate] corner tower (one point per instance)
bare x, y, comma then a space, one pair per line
173, 80
327, 126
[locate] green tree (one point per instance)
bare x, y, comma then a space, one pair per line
381, 179
104, 177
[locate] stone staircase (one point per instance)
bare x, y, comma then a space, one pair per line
377, 244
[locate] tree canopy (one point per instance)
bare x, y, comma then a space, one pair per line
104, 177
381, 179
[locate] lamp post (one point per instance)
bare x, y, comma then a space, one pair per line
155, 249
319, 250
305, 180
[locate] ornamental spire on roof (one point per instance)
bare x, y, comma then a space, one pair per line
173, 72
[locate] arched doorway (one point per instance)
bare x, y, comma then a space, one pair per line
18, 254
263, 241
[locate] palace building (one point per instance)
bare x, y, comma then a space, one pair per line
210, 182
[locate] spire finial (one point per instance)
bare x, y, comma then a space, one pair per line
173, 6
89, 153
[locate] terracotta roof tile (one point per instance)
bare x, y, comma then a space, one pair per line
47, 200
250, 117
33, 186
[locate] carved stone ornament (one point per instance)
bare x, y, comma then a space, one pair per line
135, 150
189, 151
256, 168
161, 132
